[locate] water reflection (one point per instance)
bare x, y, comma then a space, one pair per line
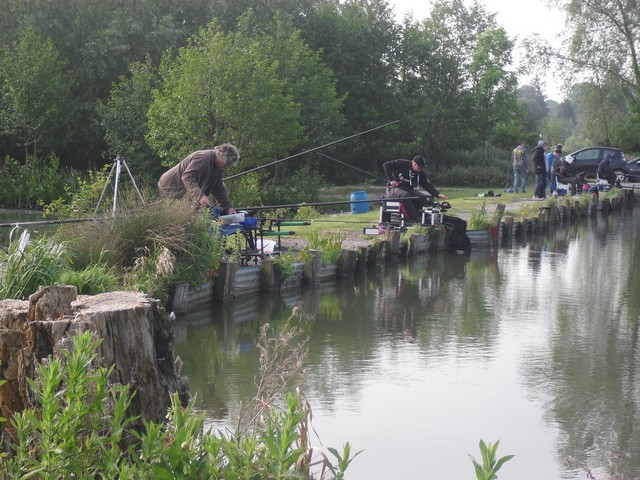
535, 345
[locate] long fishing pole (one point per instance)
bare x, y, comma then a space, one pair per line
319, 204
309, 151
351, 166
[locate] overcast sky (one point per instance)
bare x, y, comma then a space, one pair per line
520, 18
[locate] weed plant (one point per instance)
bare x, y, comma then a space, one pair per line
329, 244
79, 428
481, 219
28, 264
415, 229
284, 264
488, 470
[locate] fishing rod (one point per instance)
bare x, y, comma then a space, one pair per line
351, 166
45, 222
309, 151
320, 204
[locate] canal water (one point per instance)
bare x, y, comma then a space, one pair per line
534, 344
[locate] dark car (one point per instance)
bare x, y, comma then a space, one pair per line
634, 170
587, 159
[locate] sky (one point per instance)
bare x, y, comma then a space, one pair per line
520, 18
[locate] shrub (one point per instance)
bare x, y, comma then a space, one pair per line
481, 218
33, 184
26, 264
78, 428
329, 245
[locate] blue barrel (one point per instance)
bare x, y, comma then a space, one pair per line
359, 206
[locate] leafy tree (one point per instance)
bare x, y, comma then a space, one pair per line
124, 119
601, 112
249, 89
493, 87
357, 40
218, 91
33, 94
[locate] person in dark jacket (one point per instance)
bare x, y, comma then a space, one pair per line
605, 171
199, 175
540, 169
404, 176
565, 175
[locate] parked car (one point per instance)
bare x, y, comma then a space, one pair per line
634, 170
587, 159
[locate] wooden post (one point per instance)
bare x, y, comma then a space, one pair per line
378, 252
311, 272
394, 243
269, 276
180, 297
507, 227
225, 282
347, 263
361, 264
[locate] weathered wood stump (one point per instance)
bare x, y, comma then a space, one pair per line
136, 333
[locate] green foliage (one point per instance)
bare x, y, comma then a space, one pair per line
302, 185
415, 229
306, 213
344, 460
82, 193
329, 244
481, 218
30, 184
124, 117
284, 264
93, 279
78, 428
204, 254
223, 88
34, 93
29, 264
119, 239
490, 465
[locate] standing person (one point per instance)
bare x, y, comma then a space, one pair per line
540, 169
551, 174
552, 168
199, 175
403, 177
520, 166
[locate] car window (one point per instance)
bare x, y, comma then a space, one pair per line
589, 156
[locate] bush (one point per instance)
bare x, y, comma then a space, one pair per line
80, 427
30, 185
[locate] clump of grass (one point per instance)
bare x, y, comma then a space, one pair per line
481, 218
284, 264
330, 245
307, 213
94, 279
118, 239
415, 229
28, 264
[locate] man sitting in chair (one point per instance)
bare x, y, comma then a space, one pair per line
605, 172
565, 174
403, 177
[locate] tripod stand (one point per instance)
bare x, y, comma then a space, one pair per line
117, 166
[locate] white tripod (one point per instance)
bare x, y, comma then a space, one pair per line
117, 167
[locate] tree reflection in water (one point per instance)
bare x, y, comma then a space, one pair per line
534, 343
